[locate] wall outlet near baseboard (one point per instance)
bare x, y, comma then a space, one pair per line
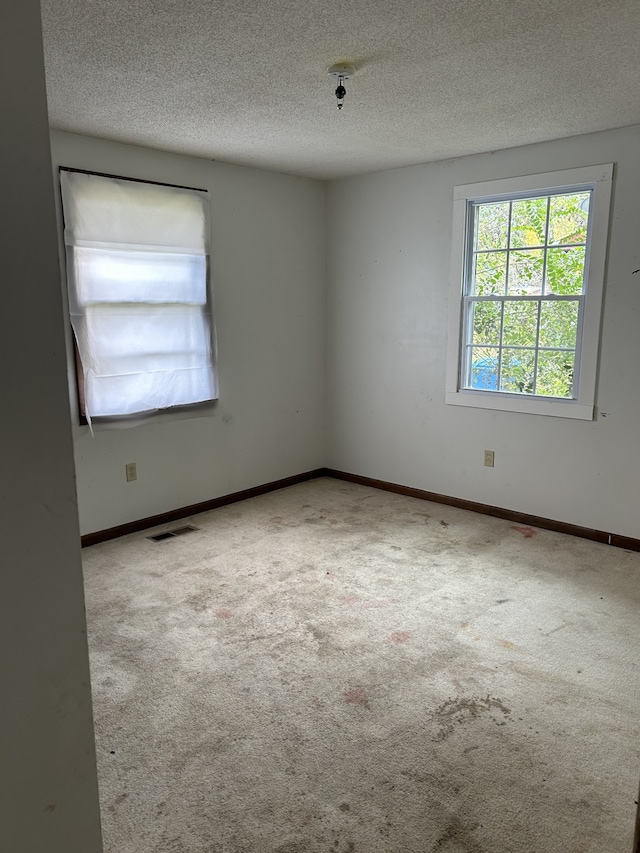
489, 458
131, 471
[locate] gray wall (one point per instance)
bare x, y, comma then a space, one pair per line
389, 243
47, 774
267, 264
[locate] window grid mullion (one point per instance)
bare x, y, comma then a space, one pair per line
508, 264
468, 337
500, 345
546, 247
469, 288
544, 284
525, 248
506, 291
535, 358
532, 347
527, 297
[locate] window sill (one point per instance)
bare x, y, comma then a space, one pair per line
514, 403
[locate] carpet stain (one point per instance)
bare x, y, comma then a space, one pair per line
507, 644
356, 697
527, 532
197, 603
291, 847
457, 711
345, 807
460, 837
223, 613
559, 628
399, 636
444, 523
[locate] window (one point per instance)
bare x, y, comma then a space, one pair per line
137, 271
527, 280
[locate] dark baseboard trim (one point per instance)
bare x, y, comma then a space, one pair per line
499, 512
194, 509
614, 539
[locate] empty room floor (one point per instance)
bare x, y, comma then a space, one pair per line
330, 668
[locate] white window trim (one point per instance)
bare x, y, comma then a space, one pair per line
600, 179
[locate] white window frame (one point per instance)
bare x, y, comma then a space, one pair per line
598, 179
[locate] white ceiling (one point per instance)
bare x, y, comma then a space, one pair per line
245, 80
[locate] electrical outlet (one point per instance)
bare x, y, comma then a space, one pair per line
489, 458
131, 471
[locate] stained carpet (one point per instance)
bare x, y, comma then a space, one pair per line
335, 669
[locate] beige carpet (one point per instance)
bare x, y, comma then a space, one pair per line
335, 669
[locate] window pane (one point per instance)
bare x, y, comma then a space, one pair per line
565, 271
558, 324
486, 322
484, 368
520, 324
568, 217
555, 373
525, 272
492, 226
490, 273
528, 222
517, 371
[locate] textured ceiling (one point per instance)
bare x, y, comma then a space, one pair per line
244, 80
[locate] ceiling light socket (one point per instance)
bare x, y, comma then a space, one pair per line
341, 69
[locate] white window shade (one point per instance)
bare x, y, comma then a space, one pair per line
109, 275
100, 210
137, 268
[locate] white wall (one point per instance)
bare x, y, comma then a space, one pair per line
48, 786
384, 341
389, 244
268, 280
